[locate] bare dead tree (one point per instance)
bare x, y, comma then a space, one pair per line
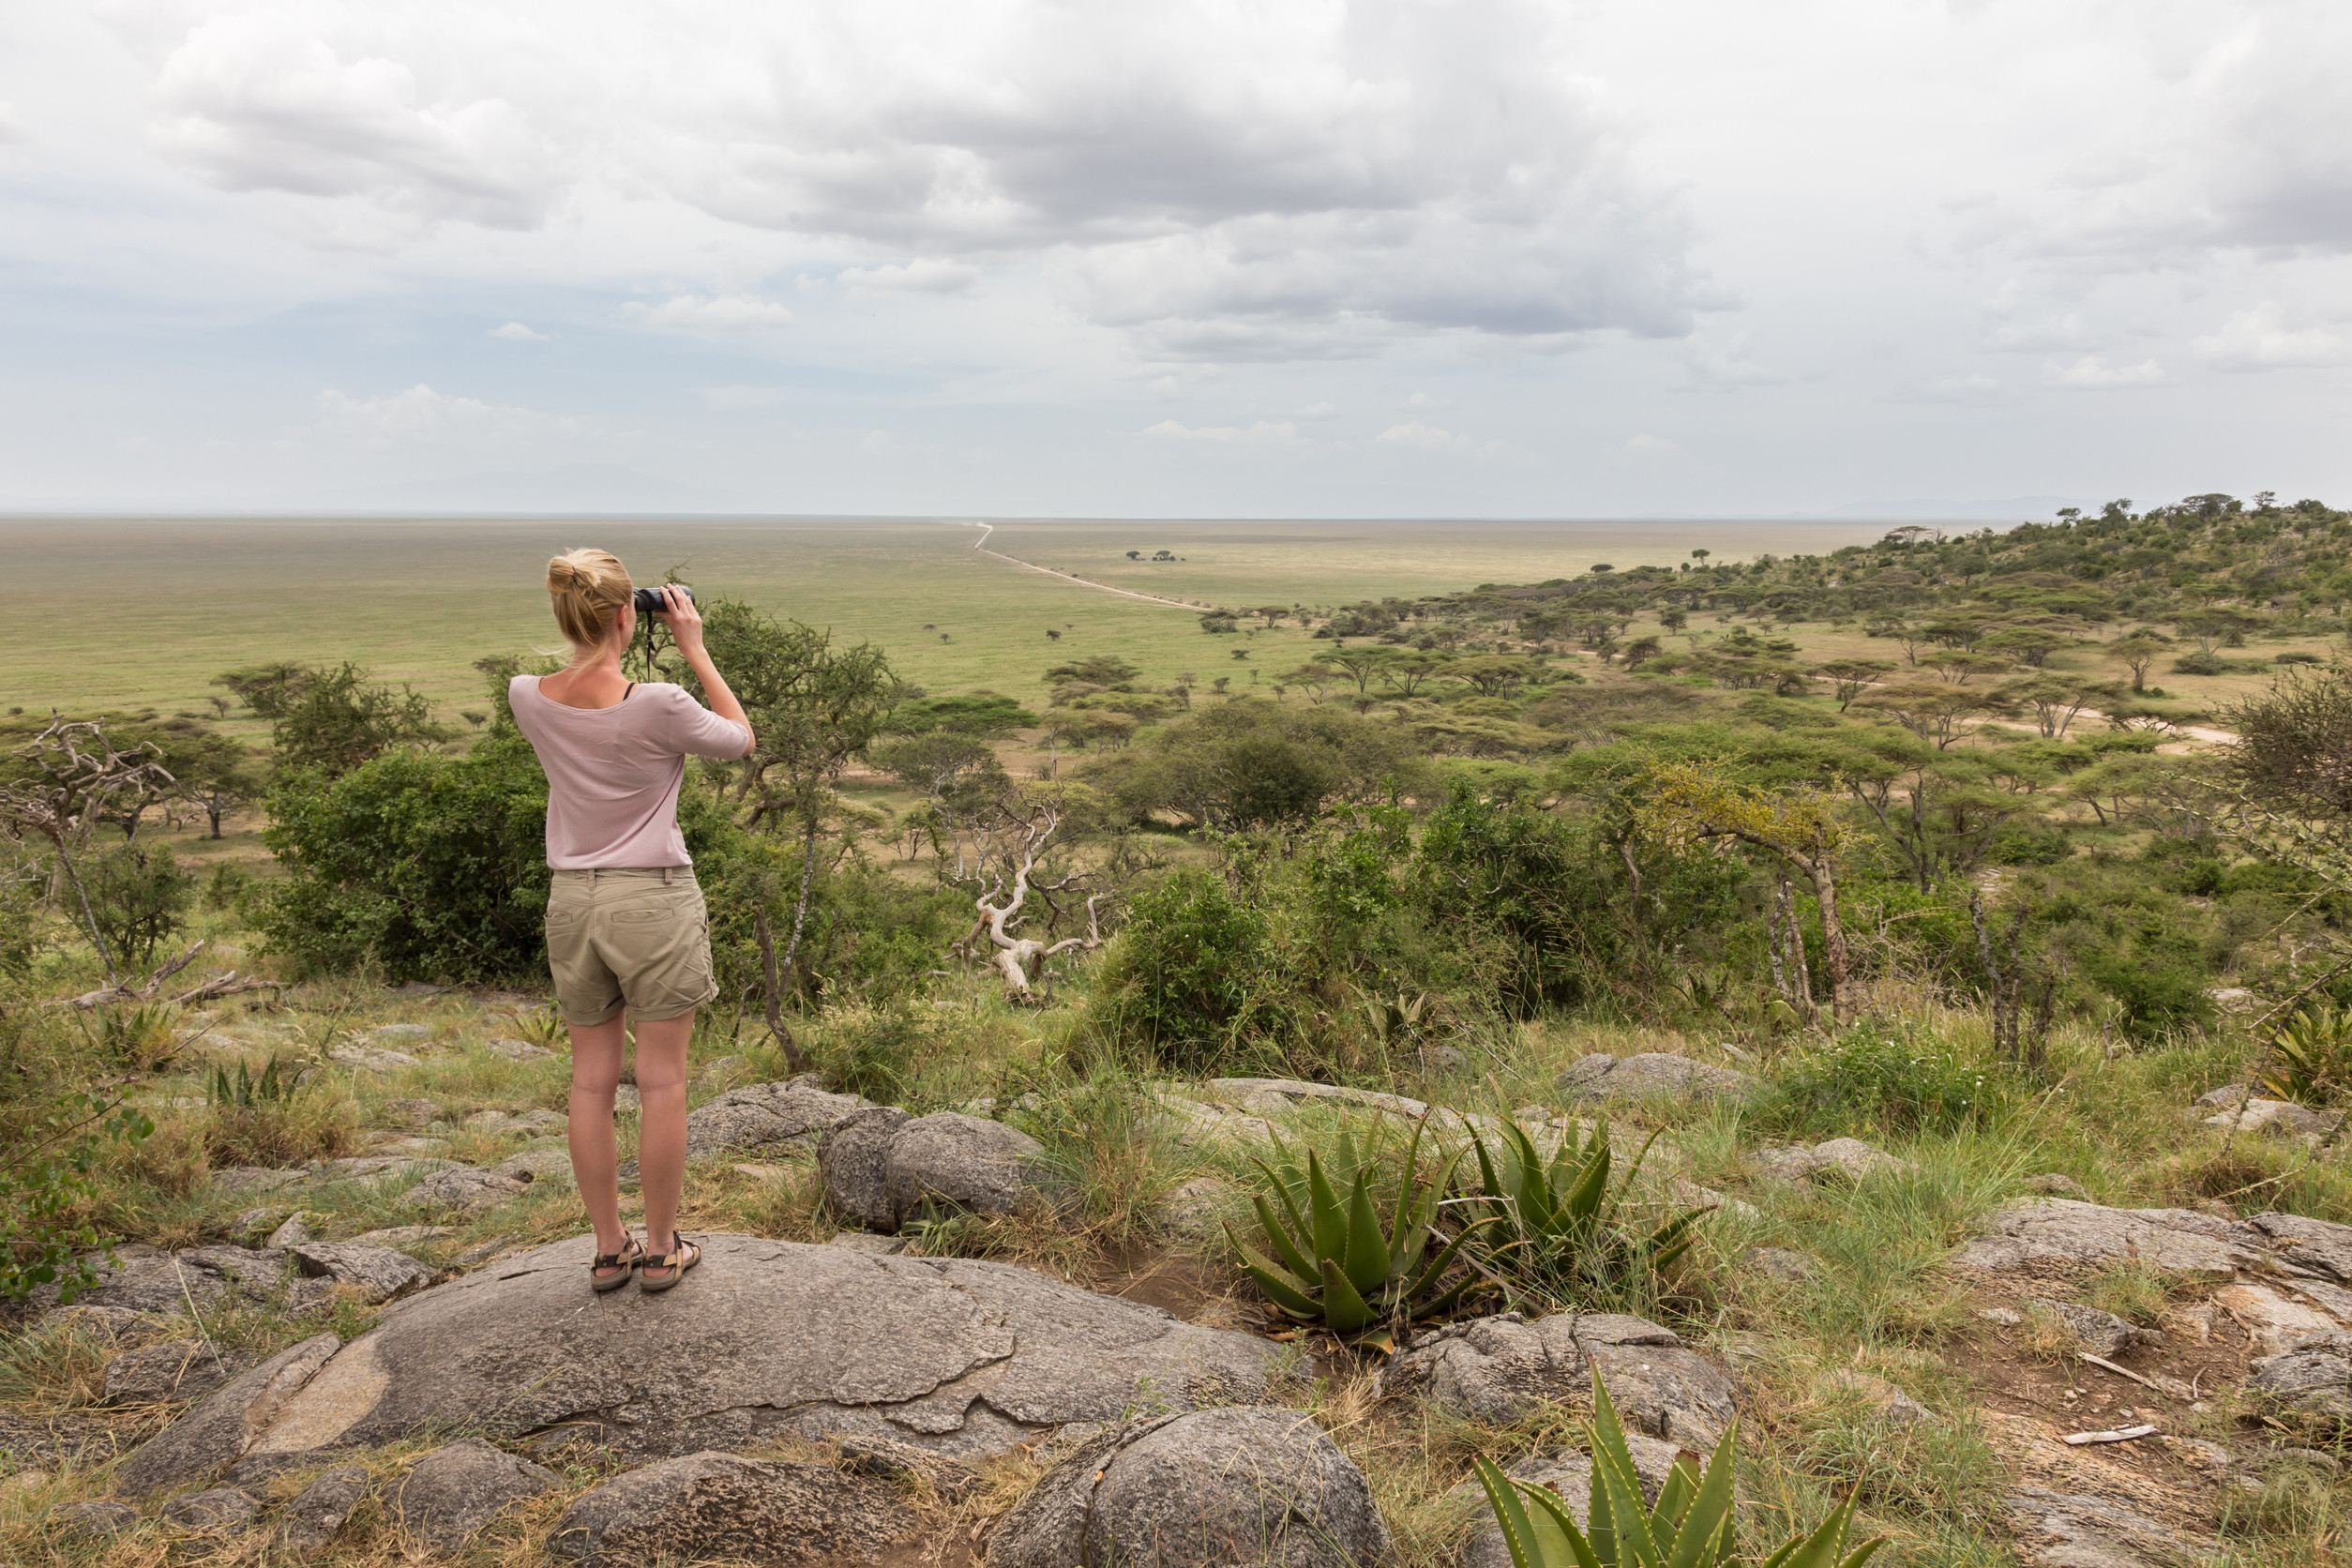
227, 983
2011, 981
1004, 908
75, 776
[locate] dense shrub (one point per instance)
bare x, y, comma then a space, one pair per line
47, 1185
137, 894
2158, 983
1194, 967
431, 866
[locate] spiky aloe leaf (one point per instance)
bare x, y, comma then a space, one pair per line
1821, 1549
1554, 1523
1285, 1248
1280, 1286
1345, 1311
1327, 1220
1365, 1261
1547, 1537
1703, 1537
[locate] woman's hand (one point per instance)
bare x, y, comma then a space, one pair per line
684, 621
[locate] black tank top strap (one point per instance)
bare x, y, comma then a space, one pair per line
632, 687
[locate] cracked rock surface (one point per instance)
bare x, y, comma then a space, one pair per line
704, 1506
1496, 1369
1214, 1487
957, 1355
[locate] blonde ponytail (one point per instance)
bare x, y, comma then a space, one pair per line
588, 587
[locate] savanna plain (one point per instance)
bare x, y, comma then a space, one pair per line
1288, 1042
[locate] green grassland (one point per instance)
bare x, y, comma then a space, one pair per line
146, 611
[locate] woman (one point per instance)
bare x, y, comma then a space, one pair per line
625, 925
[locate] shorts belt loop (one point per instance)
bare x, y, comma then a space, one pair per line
665, 874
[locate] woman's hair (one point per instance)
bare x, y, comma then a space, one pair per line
588, 586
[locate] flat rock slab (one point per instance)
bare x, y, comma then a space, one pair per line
456, 1490
375, 1273
2066, 1233
321, 1508
2315, 1377
776, 1117
1840, 1159
718, 1506
2064, 1530
764, 1338
518, 1050
2278, 1118
467, 1189
1497, 1369
170, 1284
1653, 1075
371, 1059
223, 1426
1203, 1490
175, 1369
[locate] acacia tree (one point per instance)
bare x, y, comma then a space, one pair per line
67, 776
1685, 802
333, 719
2136, 651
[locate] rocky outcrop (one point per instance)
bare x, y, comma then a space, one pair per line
2100, 1333
456, 1489
2084, 1235
1497, 1369
2315, 1377
467, 1189
322, 1509
714, 1505
175, 1369
1202, 1490
1840, 1159
1887, 1401
226, 1424
880, 1167
1653, 1075
2065, 1530
374, 1274
2278, 1118
953, 1354
223, 1512
771, 1118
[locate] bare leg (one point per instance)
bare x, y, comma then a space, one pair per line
661, 1125
595, 1072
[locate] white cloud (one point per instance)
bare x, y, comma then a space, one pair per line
515, 332
1419, 402
1259, 434
398, 417
262, 103
1648, 445
720, 316
1948, 389
1318, 411
1433, 438
1728, 366
2261, 340
12, 129
2046, 336
2091, 373
926, 275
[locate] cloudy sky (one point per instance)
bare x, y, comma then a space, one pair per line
1195, 258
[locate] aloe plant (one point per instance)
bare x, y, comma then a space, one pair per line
1689, 1527
1334, 1262
243, 1091
1560, 1223
2311, 1058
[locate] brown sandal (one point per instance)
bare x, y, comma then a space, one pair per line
627, 1261
682, 1256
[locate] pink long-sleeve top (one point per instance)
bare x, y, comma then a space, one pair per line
613, 774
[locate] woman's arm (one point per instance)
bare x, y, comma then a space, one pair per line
686, 625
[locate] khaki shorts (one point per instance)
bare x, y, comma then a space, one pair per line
637, 937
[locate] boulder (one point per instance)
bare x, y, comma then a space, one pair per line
144, 1280
223, 1511
293, 1232
1497, 1369
2100, 1333
1196, 1208
2279, 1118
1202, 1490
467, 1189
2227, 1097
518, 1050
2315, 1377
953, 1354
371, 1059
2318, 1244
712, 1505
1840, 1159
552, 1163
774, 1117
456, 1489
375, 1273
1569, 1474
219, 1430
2274, 1324
409, 1113
961, 1161
1280, 1095
1653, 1075
1887, 1401
2084, 1235
854, 1156
90, 1520
321, 1509
175, 1369
1781, 1264
2065, 1530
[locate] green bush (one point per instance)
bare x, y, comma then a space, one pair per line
1888, 1079
2159, 991
433, 866
2200, 663
228, 886
137, 894
47, 1185
1195, 970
